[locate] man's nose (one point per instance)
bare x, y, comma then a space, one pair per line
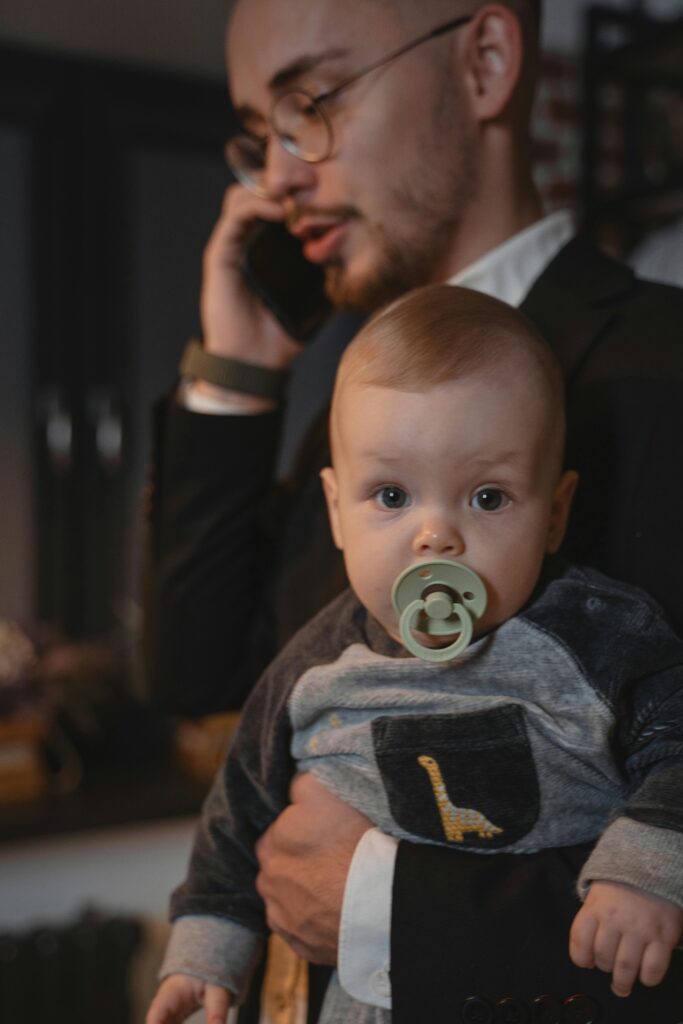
285, 174
439, 537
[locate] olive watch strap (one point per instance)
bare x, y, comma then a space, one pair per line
232, 374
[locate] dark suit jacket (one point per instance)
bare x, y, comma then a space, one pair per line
500, 932
237, 567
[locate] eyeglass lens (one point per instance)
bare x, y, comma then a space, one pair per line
300, 125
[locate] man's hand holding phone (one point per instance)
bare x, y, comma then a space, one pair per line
235, 323
260, 298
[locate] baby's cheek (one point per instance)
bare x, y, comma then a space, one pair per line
376, 597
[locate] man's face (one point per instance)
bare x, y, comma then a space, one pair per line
461, 472
382, 212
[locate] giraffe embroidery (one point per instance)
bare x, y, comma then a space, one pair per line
456, 821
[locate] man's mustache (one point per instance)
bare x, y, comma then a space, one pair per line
328, 213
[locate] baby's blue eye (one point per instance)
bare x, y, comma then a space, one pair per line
391, 497
490, 499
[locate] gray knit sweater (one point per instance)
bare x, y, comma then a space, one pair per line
563, 725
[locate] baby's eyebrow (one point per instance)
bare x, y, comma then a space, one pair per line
513, 455
373, 453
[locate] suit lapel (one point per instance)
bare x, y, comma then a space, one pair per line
573, 301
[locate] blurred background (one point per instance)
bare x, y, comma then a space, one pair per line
112, 123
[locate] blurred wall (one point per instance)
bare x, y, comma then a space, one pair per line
189, 37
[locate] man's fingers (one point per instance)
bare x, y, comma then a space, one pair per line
269, 898
299, 948
262, 846
306, 789
282, 837
655, 962
581, 939
627, 962
216, 1004
304, 859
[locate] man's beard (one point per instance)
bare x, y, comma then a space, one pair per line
413, 249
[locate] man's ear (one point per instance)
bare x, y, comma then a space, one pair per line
560, 508
494, 52
331, 489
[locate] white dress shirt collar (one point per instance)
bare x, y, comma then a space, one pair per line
508, 271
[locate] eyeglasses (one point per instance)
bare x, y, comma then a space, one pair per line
301, 124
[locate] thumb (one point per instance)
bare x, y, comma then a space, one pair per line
217, 1002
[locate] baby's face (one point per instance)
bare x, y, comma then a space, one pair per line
464, 471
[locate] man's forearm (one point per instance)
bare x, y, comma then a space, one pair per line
207, 561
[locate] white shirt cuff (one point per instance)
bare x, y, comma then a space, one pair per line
196, 401
365, 930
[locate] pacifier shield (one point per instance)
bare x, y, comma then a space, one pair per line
439, 598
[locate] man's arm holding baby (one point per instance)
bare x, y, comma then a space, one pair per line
304, 860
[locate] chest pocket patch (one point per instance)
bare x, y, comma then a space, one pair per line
467, 780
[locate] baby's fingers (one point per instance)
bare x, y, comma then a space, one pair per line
176, 999
216, 1004
582, 938
627, 964
655, 962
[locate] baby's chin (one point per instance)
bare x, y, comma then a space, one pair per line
391, 627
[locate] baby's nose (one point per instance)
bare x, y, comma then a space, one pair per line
438, 537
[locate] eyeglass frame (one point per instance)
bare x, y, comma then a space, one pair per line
320, 99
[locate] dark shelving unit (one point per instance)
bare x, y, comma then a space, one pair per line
633, 123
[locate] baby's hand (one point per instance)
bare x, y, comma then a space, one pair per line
179, 995
626, 931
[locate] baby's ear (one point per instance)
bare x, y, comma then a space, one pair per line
331, 489
560, 508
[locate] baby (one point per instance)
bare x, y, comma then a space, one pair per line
547, 729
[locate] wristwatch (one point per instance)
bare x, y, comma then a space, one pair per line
232, 374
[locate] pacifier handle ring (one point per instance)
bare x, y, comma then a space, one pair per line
409, 618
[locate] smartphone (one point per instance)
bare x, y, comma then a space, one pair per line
286, 282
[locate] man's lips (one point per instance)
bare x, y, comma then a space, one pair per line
321, 239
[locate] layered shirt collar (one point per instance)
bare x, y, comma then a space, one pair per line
508, 271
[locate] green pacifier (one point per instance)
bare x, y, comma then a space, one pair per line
438, 598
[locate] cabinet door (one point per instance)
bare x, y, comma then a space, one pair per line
17, 527
37, 461
110, 181
174, 198
153, 186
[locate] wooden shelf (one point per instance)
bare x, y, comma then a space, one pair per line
111, 796
656, 59
640, 59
